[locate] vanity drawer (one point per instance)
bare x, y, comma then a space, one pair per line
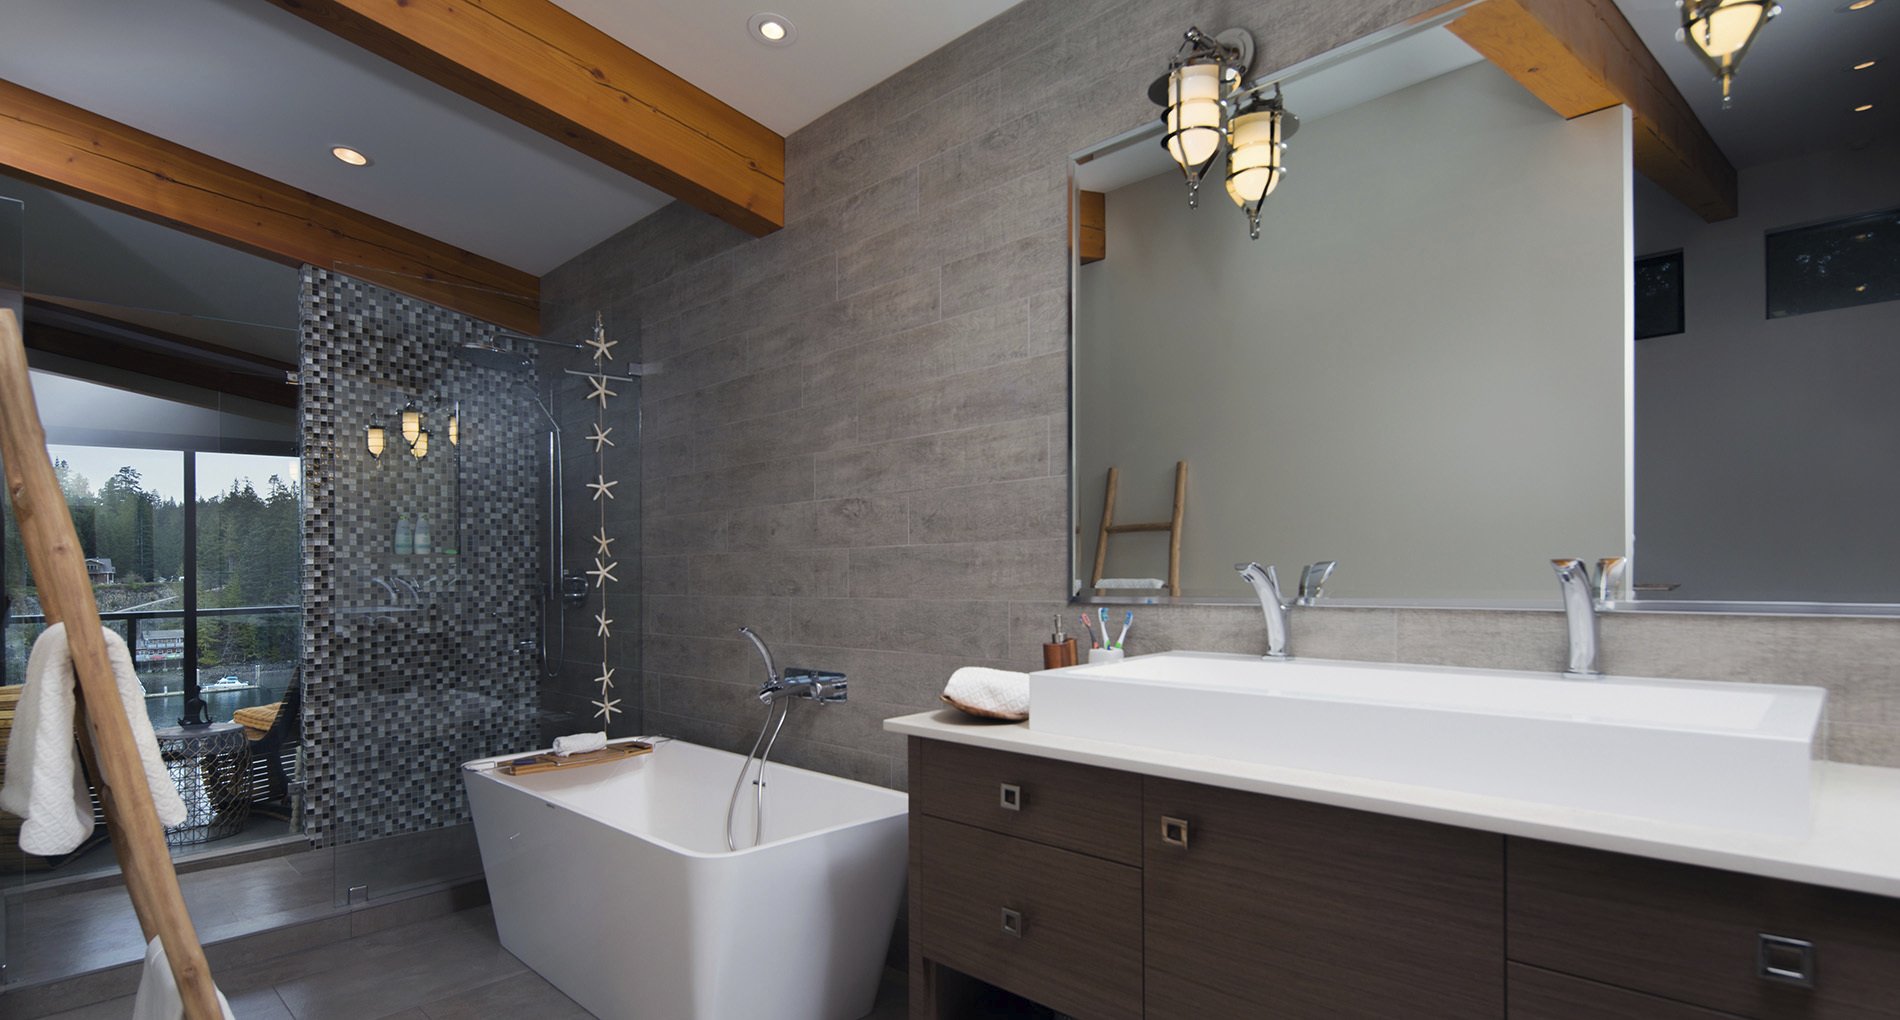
1702, 936
1053, 926
1537, 994
1076, 807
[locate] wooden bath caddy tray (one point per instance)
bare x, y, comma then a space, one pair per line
549, 761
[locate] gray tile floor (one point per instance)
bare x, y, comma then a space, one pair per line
448, 968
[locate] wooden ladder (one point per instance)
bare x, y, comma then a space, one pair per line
1172, 526
54, 555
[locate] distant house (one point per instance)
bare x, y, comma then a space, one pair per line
100, 570
160, 646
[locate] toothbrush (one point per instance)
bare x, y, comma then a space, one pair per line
1101, 614
1126, 623
1091, 631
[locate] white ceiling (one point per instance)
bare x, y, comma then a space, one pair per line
1793, 91
251, 84
842, 47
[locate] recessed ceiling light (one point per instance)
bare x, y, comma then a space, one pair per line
1863, 108
1858, 5
349, 155
772, 29
1863, 65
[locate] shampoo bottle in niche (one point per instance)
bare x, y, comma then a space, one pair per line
405, 535
422, 546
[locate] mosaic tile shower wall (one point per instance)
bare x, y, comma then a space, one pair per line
412, 661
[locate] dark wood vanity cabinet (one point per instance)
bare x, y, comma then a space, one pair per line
1260, 906
1104, 895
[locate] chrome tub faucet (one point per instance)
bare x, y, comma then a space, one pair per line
1581, 601
822, 686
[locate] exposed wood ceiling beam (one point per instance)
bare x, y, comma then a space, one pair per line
1581, 56
535, 63
81, 153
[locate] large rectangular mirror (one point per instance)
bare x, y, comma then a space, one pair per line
1426, 366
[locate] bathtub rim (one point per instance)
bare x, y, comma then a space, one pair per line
484, 768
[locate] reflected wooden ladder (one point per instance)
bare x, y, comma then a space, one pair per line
54, 555
1172, 526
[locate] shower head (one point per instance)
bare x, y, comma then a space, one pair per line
487, 355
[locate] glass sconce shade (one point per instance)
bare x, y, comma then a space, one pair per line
411, 424
420, 448
1720, 32
455, 430
374, 439
1193, 117
1256, 160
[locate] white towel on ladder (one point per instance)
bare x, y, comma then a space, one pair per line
158, 997
44, 783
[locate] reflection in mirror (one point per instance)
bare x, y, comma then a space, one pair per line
1418, 370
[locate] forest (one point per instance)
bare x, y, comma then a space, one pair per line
248, 554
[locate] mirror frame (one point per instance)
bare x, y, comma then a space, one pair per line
1150, 131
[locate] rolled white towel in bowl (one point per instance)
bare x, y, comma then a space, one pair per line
993, 693
579, 743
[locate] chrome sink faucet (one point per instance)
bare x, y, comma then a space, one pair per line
1580, 608
1266, 584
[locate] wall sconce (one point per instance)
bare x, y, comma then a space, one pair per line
374, 439
420, 448
455, 428
1256, 152
411, 424
1204, 72
1720, 32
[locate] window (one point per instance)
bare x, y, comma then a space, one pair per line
1855, 261
1659, 295
194, 556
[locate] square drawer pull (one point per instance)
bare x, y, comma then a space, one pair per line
1785, 960
1011, 797
1012, 923
1174, 831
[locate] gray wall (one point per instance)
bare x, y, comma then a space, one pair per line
857, 440
1767, 448
1372, 380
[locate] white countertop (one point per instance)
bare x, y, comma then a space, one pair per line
1854, 843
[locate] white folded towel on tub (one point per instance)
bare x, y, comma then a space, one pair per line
579, 743
995, 692
44, 784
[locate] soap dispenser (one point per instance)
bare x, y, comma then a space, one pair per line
405, 535
422, 545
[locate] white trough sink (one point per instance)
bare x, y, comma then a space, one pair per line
1728, 755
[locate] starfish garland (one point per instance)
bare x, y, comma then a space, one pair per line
605, 621
602, 346
607, 707
606, 677
602, 544
602, 487
602, 574
599, 438
600, 390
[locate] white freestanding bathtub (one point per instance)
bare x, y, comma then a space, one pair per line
614, 882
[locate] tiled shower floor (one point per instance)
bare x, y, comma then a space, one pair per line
448, 968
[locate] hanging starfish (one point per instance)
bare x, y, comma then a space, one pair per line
602, 487
605, 679
602, 575
600, 391
605, 621
602, 544
599, 438
602, 346
607, 706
